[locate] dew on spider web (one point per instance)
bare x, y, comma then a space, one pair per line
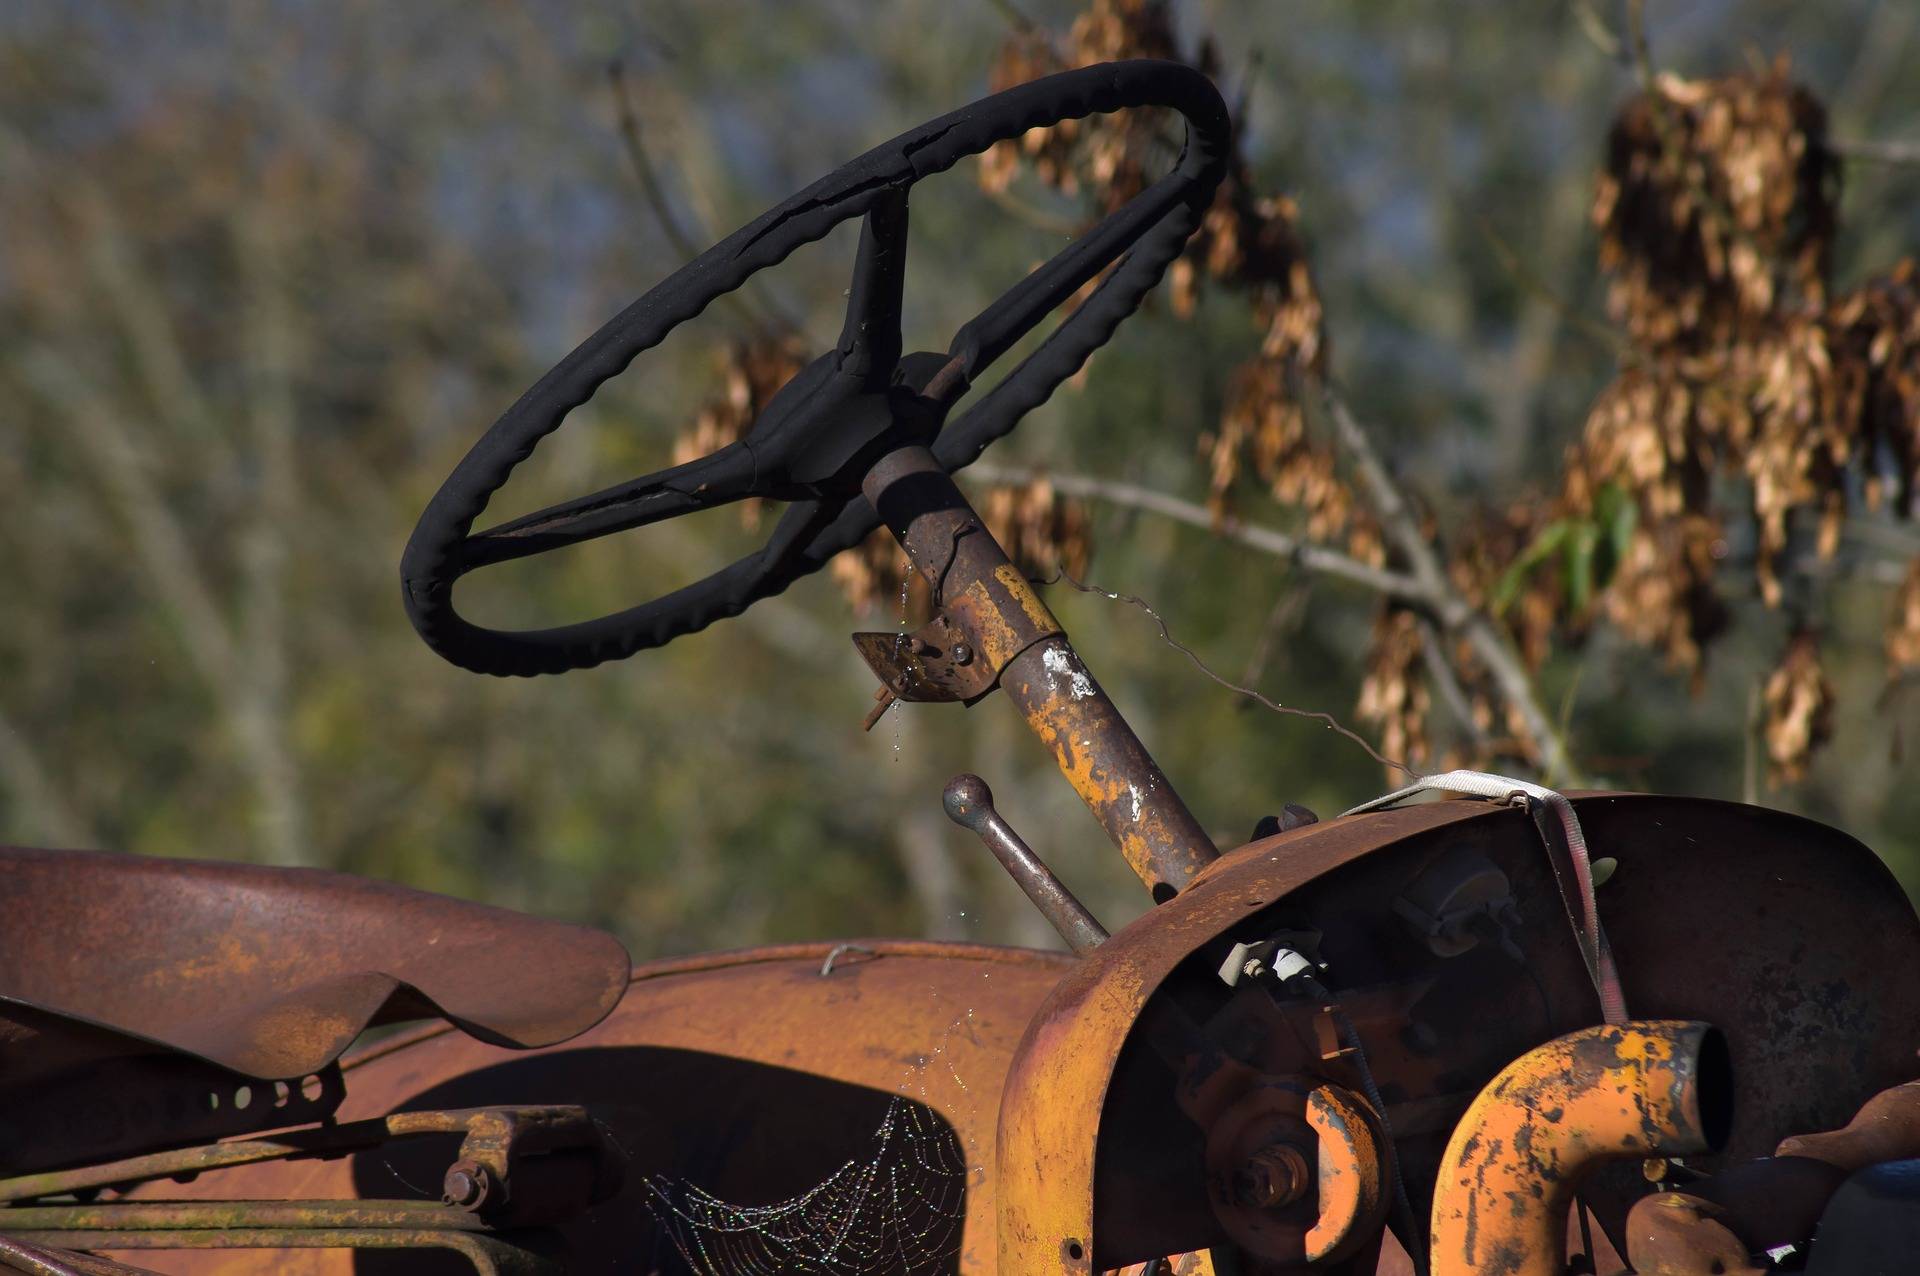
898, 1211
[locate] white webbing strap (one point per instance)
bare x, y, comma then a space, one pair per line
1583, 912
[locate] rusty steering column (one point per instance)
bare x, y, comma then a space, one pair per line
990, 629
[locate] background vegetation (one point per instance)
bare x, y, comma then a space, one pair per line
269, 269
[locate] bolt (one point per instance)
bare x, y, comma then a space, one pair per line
467, 1185
1272, 1177
962, 654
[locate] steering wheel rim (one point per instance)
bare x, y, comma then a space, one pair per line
822, 519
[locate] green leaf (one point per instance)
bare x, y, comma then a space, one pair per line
1618, 516
1579, 559
1544, 545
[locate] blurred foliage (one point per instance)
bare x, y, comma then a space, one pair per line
268, 272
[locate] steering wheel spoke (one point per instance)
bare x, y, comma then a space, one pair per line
719, 478
870, 340
1026, 305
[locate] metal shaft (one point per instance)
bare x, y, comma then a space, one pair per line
969, 803
991, 604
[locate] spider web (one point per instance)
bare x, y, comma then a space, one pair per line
896, 1211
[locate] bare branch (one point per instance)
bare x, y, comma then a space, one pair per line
155, 534
1447, 682
1453, 613
270, 341
1530, 282
1595, 28
174, 578
1427, 588
1315, 558
627, 119
1283, 616
1873, 152
47, 816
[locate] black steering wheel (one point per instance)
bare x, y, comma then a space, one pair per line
816, 437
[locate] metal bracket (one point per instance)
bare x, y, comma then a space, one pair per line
933, 664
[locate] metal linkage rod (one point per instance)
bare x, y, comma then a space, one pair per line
969, 804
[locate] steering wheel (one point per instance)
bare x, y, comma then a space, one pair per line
816, 437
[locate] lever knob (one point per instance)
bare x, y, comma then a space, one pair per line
969, 804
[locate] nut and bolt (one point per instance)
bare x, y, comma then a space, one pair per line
1274, 1176
467, 1185
962, 654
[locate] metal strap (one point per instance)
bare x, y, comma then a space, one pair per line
1551, 810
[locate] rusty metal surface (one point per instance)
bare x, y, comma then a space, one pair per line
746, 1073
160, 1215
1095, 1150
1297, 1171
41, 1260
1056, 1093
1094, 1143
273, 972
1887, 1128
1679, 1234
933, 664
992, 609
1108, 766
969, 803
1749, 1209
485, 1255
1646, 1088
319, 1141
1714, 1224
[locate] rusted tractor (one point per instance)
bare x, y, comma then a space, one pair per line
1417, 1038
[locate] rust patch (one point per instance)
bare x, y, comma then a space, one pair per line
1506, 1182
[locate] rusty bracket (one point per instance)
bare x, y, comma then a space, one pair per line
530, 1165
931, 665
939, 663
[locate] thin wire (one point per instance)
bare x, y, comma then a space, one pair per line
1332, 723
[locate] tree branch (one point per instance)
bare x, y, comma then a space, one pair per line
1874, 152
1447, 682
1426, 589
627, 121
271, 357
48, 817
1316, 558
1451, 611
